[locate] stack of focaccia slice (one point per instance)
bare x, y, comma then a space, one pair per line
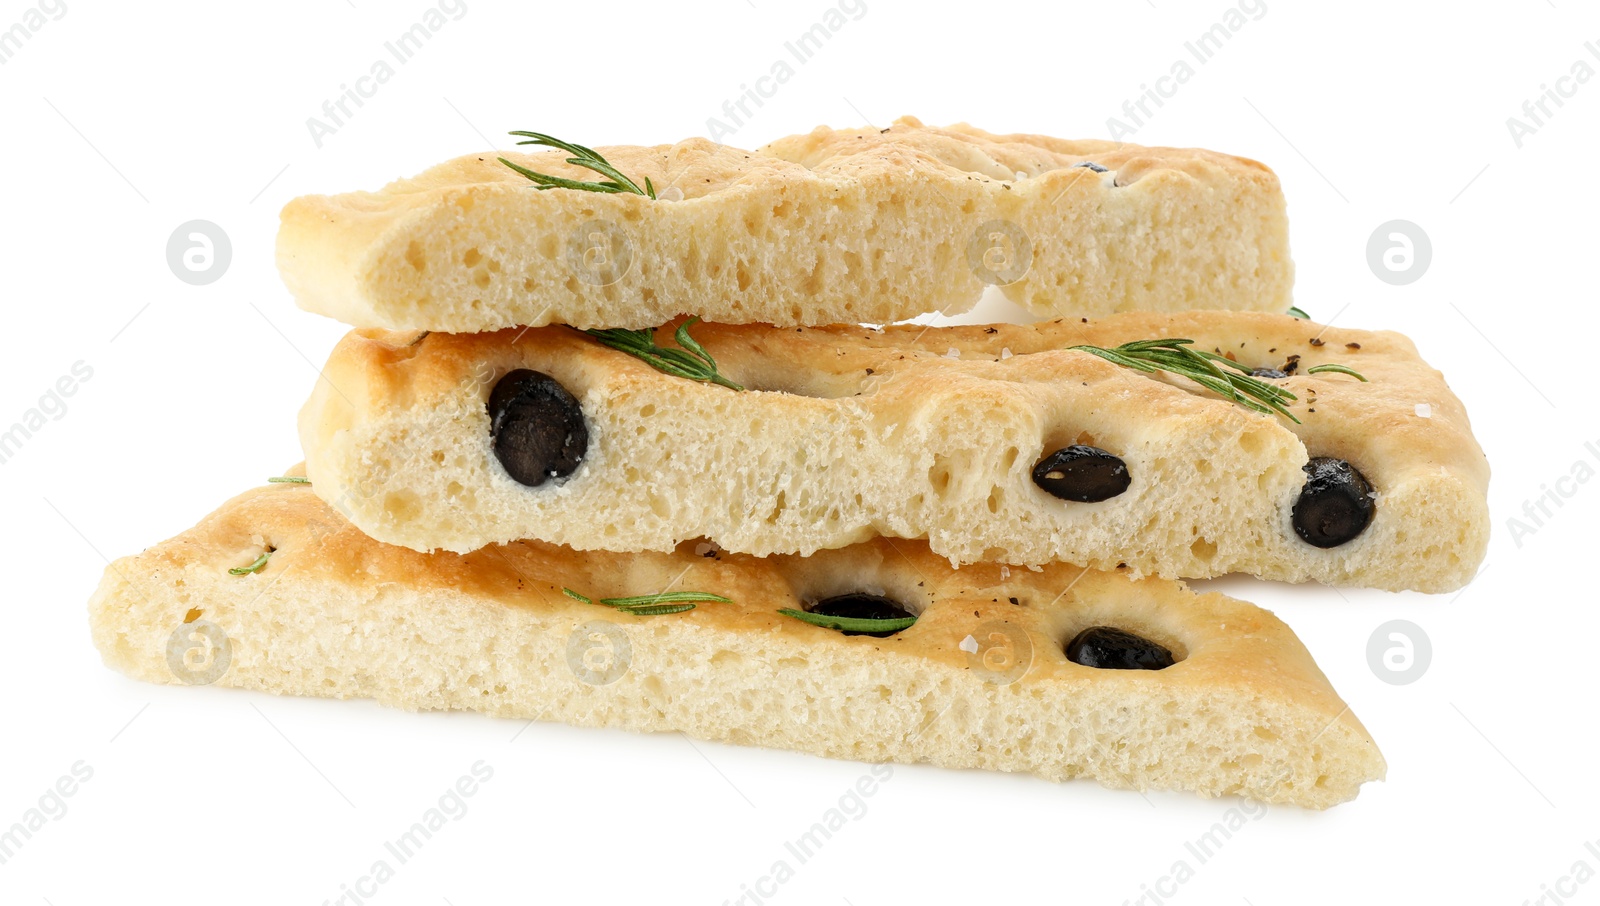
537, 485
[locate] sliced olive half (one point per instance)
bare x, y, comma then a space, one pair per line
536, 427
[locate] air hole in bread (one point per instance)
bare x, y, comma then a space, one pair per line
1009, 460
726, 659
415, 256
939, 475
997, 497
401, 506
778, 506
814, 281
547, 246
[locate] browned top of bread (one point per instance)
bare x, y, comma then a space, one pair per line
700, 167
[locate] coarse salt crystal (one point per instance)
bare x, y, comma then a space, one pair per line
969, 645
670, 193
1005, 352
954, 353
1424, 410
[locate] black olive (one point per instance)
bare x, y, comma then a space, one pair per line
1116, 649
536, 427
1271, 374
1092, 166
1082, 473
1335, 505
862, 606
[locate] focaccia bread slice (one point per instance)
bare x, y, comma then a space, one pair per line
910, 432
979, 680
831, 227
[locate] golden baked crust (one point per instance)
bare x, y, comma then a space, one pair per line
334, 613
830, 227
851, 433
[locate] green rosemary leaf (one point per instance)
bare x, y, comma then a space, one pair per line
1117, 358
1177, 356
252, 568
691, 361
652, 605
288, 479
588, 158
557, 182
1296, 312
849, 624
667, 597
1341, 369
656, 610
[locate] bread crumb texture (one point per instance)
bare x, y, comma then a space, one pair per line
850, 433
1244, 710
836, 226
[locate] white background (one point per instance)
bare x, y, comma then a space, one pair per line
121, 121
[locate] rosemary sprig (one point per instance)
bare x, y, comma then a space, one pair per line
1204, 368
1296, 311
255, 567
849, 624
288, 479
1342, 369
589, 159
692, 361
653, 605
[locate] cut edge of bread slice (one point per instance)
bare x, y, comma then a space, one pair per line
980, 681
914, 432
835, 226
